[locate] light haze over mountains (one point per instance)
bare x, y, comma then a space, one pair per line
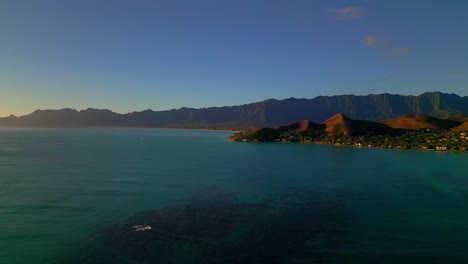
260, 114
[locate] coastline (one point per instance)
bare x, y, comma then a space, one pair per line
350, 146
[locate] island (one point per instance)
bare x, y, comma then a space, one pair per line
415, 131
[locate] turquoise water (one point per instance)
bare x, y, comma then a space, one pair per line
72, 196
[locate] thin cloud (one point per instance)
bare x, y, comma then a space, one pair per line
390, 51
348, 13
374, 42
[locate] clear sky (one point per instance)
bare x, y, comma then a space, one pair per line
129, 55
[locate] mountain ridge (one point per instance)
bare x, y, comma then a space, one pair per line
270, 112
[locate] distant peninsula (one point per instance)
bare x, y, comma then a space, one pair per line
267, 113
415, 131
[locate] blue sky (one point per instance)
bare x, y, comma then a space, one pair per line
129, 55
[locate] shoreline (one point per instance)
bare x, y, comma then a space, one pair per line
351, 146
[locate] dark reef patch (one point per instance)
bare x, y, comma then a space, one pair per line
217, 228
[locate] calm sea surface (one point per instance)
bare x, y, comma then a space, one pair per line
79, 195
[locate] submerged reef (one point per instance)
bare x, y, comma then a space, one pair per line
217, 228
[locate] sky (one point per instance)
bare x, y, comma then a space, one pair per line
128, 55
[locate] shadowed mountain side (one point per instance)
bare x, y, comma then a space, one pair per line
64, 118
263, 134
417, 121
270, 134
270, 112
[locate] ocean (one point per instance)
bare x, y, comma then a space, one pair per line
190, 196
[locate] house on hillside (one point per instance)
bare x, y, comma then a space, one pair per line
441, 148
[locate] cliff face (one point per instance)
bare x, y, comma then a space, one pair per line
266, 113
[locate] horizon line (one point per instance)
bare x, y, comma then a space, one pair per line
196, 108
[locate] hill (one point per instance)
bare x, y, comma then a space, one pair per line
334, 126
462, 127
302, 126
270, 112
340, 124
342, 130
419, 121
